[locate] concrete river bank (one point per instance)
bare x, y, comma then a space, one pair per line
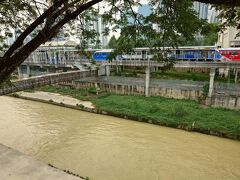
108, 148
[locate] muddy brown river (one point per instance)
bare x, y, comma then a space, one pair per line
109, 148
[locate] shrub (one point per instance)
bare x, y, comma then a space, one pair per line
92, 90
205, 91
80, 105
178, 111
154, 108
29, 90
15, 95
134, 74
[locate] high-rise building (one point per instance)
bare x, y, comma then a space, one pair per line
201, 9
212, 15
96, 23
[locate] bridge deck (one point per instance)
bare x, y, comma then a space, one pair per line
142, 63
19, 85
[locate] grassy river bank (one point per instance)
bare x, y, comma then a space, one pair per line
182, 114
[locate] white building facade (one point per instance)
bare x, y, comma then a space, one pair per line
227, 38
201, 9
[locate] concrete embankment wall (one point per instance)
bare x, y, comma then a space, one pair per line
224, 101
162, 89
198, 70
22, 84
134, 90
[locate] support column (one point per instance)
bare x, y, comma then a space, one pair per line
236, 75
19, 72
147, 81
117, 69
211, 82
28, 70
226, 72
107, 70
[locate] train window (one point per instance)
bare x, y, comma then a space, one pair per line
234, 53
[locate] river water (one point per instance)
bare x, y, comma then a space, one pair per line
109, 148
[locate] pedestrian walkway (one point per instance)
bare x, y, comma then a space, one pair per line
17, 166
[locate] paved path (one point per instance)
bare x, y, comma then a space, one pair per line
17, 166
222, 88
56, 98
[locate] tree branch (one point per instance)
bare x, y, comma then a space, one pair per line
74, 14
19, 41
46, 34
221, 2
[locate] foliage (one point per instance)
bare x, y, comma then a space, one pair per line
178, 111
92, 90
80, 105
153, 109
29, 90
33, 23
205, 91
80, 94
170, 112
172, 74
15, 95
230, 16
112, 44
173, 112
208, 36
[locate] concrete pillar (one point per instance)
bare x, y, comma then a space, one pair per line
117, 69
226, 72
211, 82
147, 81
236, 75
19, 72
107, 70
28, 71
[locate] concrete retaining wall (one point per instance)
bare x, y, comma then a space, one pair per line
224, 101
37, 81
140, 90
217, 100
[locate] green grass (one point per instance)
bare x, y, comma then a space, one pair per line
181, 75
194, 76
174, 113
172, 74
163, 111
29, 90
81, 94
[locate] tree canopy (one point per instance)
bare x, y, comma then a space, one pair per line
112, 42
43, 19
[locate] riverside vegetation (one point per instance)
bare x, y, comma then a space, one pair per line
173, 74
183, 114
